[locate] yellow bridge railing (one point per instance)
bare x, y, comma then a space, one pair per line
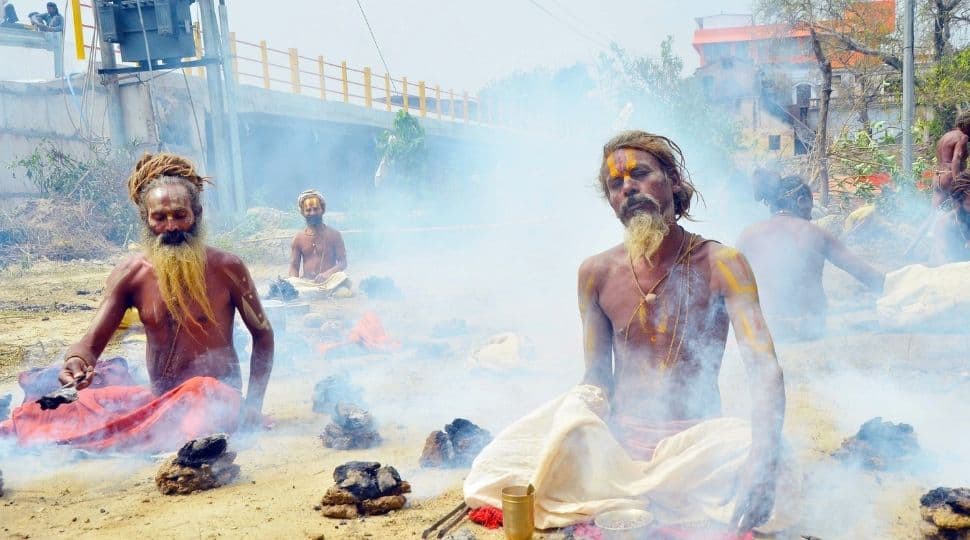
258, 64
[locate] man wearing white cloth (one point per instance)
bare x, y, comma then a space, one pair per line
644, 428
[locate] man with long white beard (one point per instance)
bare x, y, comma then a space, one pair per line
187, 295
643, 430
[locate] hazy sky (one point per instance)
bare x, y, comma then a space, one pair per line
463, 44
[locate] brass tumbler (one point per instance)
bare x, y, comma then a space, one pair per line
518, 512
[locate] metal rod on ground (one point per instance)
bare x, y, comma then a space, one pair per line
908, 90
452, 522
444, 518
116, 117
217, 103
230, 78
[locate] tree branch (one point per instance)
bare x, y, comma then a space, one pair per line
853, 45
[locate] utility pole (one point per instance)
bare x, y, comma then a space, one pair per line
908, 90
116, 118
239, 188
212, 45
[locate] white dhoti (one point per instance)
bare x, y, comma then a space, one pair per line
579, 469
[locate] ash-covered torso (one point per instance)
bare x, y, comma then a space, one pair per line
667, 337
176, 353
318, 250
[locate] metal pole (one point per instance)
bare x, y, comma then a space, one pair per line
211, 42
908, 90
235, 147
116, 117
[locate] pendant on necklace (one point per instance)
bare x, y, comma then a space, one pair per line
649, 298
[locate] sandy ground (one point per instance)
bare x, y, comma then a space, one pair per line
833, 386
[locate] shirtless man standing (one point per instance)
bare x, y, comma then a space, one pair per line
319, 248
656, 312
788, 253
951, 233
951, 158
187, 295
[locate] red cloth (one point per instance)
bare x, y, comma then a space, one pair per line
641, 438
130, 418
368, 333
487, 516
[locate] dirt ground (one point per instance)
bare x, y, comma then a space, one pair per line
285, 471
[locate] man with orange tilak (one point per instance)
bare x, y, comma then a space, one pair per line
187, 295
644, 430
320, 249
656, 311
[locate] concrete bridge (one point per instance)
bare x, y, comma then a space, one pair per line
301, 118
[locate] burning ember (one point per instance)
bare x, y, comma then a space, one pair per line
280, 289
64, 394
879, 445
364, 488
199, 465
351, 428
946, 514
456, 446
334, 389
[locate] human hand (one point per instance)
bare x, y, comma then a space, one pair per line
78, 371
756, 492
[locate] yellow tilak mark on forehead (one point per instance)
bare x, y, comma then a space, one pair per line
748, 331
631, 160
611, 164
732, 281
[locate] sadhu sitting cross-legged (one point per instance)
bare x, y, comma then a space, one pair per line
186, 294
644, 429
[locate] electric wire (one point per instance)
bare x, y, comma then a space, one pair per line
376, 45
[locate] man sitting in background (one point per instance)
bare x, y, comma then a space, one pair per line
317, 248
788, 253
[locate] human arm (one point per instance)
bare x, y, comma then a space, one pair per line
842, 257
339, 257
246, 301
81, 357
733, 279
941, 249
597, 331
296, 255
957, 162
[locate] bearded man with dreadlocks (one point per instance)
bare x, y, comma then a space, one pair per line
187, 295
645, 428
320, 249
787, 253
951, 233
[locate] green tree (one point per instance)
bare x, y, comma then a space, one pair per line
403, 153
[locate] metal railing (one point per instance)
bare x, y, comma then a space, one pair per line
258, 64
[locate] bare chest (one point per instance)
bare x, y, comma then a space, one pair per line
315, 245
154, 311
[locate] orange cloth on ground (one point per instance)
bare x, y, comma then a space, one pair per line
368, 333
130, 418
641, 438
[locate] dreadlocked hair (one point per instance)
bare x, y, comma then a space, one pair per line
154, 170
666, 152
960, 187
777, 192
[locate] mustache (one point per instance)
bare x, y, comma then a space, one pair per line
314, 220
639, 202
174, 238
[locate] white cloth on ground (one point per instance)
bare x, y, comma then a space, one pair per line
579, 470
919, 296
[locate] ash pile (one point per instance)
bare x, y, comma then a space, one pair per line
456, 446
281, 289
334, 389
879, 445
350, 428
946, 514
364, 488
200, 464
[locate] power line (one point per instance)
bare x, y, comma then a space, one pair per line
574, 28
374, 39
578, 20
